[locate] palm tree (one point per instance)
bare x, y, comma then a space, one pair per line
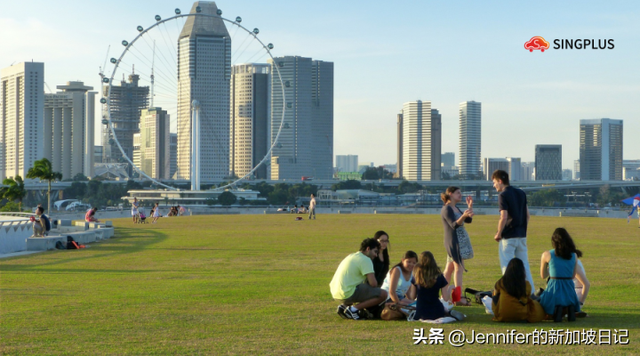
42, 170
14, 190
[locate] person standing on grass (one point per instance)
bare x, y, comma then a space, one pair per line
456, 238
348, 284
312, 207
512, 226
134, 209
156, 213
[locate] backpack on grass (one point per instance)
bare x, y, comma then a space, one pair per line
72, 244
477, 295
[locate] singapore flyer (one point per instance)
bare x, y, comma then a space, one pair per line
183, 76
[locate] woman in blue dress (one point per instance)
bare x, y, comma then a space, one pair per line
559, 265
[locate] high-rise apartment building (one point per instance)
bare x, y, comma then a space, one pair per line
204, 72
470, 139
173, 152
492, 164
526, 173
305, 145
515, 169
155, 157
422, 139
347, 163
21, 118
576, 169
69, 121
127, 101
448, 160
249, 132
601, 149
548, 162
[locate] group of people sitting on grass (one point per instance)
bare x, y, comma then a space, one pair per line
138, 214
176, 211
364, 283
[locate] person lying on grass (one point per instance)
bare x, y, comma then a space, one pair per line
348, 287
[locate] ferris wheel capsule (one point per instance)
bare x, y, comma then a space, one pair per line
238, 19
158, 18
105, 122
256, 31
113, 60
270, 46
105, 80
198, 9
177, 11
103, 101
140, 28
219, 12
125, 43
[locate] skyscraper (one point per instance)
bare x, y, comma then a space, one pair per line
448, 159
515, 169
21, 118
548, 162
422, 135
492, 164
204, 72
127, 100
155, 156
470, 139
69, 120
601, 149
173, 152
249, 136
305, 145
347, 163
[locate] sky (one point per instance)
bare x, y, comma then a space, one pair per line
386, 54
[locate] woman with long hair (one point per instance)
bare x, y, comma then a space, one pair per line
456, 239
381, 262
559, 264
398, 279
427, 284
512, 296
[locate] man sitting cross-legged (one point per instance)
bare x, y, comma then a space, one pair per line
348, 287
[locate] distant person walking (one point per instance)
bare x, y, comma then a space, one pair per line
512, 227
312, 207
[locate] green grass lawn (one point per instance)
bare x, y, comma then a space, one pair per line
259, 284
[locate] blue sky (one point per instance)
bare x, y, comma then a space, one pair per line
388, 53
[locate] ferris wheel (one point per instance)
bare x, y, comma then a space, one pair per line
190, 59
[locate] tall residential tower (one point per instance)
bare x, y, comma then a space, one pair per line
422, 135
600, 149
21, 117
470, 139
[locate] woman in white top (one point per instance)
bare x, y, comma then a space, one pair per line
134, 209
399, 278
156, 213
581, 282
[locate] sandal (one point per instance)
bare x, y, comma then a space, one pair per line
463, 302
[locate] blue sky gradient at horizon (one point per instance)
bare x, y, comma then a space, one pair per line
386, 54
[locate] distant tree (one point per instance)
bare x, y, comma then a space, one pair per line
80, 178
347, 184
371, 173
227, 198
14, 190
42, 170
445, 176
10, 207
408, 187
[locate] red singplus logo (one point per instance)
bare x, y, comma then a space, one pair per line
536, 42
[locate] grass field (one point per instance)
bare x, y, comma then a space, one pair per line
258, 284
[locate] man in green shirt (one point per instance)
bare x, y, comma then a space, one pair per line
348, 287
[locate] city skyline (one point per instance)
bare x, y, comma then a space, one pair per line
543, 94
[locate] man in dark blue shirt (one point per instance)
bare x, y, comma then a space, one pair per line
512, 228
